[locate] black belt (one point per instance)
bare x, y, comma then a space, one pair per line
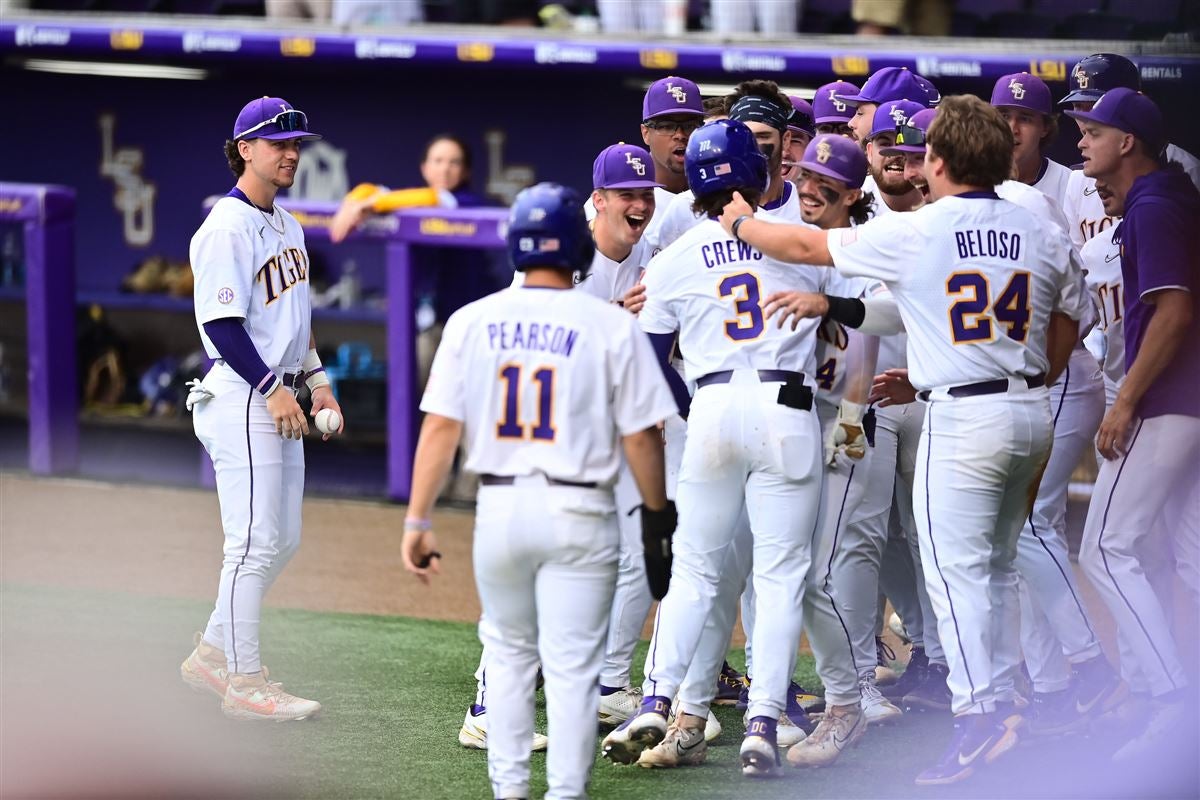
987, 387
509, 480
293, 380
764, 375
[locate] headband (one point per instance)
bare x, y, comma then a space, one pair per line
761, 109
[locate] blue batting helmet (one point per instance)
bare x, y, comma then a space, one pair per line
724, 155
546, 228
1096, 74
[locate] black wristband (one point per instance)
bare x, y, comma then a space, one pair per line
737, 223
849, 311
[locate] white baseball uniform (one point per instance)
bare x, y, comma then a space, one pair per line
545, 382
976, 317
253, 266
744, 448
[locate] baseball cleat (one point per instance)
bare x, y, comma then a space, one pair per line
205, 669
805, 699
978, 739
885, 675
876, 708
932, 694
626, 742
712, 725
787, 732
897, 627
474, 736
839, 729
253, 697
1053, 714
759, 753
616, 707
912, 677
685, 745
729, 686
1098, 688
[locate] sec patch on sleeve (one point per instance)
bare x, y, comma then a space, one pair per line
225, 295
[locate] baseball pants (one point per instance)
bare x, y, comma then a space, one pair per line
1156, 477
545, 565
977, 470
743, 448
260, 486
631, 599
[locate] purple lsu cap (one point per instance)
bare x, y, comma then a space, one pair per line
910, 137
932, 95
828, 107
892, 115
271, 118
672, 96
802, 118
836, 157
1022, 90
622, 166
889, 83
1128, 111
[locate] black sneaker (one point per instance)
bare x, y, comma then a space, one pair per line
978, 739
912, 677
931, 694
1053, 714
1096, 683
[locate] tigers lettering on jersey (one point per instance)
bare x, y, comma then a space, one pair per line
282, 272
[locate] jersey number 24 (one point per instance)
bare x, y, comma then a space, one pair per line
972, 312
509, 426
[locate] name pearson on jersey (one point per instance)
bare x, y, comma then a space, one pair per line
989, 244
727, 252
545, 337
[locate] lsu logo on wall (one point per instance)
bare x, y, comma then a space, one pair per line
297, 46
850, 65
659, 59
133, 195
480, 52
126, 40
1049, 70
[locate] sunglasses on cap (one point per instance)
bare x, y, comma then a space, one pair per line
910, 135
287, 121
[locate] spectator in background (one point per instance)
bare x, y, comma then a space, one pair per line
773, 17
915, 17
315, 10
378, 12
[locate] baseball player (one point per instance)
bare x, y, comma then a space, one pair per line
1150, 436
1024, 102
751, 416
889, 83
255, 319
991, 316
831, 114
547, 387
801, 127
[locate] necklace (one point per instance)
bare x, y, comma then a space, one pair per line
270, 221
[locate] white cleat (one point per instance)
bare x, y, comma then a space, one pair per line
787, 733
205, 670
760, 758
253, 697
839, 729
682, 747
712, 725
624, 745
473, 733
875, 707
620, 706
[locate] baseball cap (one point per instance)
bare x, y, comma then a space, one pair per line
622, 166
1128, 111
827, 107
893, 114
672, 96
802, 117
836, 157
932, 95
889, 83
1022, 90
910, 136
1097, 74
271, 118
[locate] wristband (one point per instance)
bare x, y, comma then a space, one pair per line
419, 525
847, 310
737, 223
314, 373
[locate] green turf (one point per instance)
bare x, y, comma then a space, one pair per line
394, 692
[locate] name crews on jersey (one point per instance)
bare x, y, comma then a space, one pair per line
991, 318
254, 315
545, 418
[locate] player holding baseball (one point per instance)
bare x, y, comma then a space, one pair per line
1150, 436
255, 319
547, 386
990, 318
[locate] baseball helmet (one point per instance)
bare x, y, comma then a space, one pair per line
546, 228
1096, 74
724, 155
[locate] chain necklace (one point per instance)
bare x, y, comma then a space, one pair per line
270, 221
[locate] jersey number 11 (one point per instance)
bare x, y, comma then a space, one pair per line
509, 426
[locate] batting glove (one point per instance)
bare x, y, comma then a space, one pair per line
847, 435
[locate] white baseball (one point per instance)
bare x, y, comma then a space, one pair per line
328, 420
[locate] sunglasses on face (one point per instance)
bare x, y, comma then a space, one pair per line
909, 135
288, 121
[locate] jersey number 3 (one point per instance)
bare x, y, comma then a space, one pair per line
509, 426
745, 292
970, 320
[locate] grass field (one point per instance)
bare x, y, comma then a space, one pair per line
394, 692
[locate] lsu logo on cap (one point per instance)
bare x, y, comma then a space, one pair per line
838, 104
636, 163
1017, 88
824, 152
1081, 77
677, 92
898, 117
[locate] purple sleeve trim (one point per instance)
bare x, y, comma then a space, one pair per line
233, 343
662, 343
308, 375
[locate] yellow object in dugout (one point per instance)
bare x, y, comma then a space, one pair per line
384, 201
